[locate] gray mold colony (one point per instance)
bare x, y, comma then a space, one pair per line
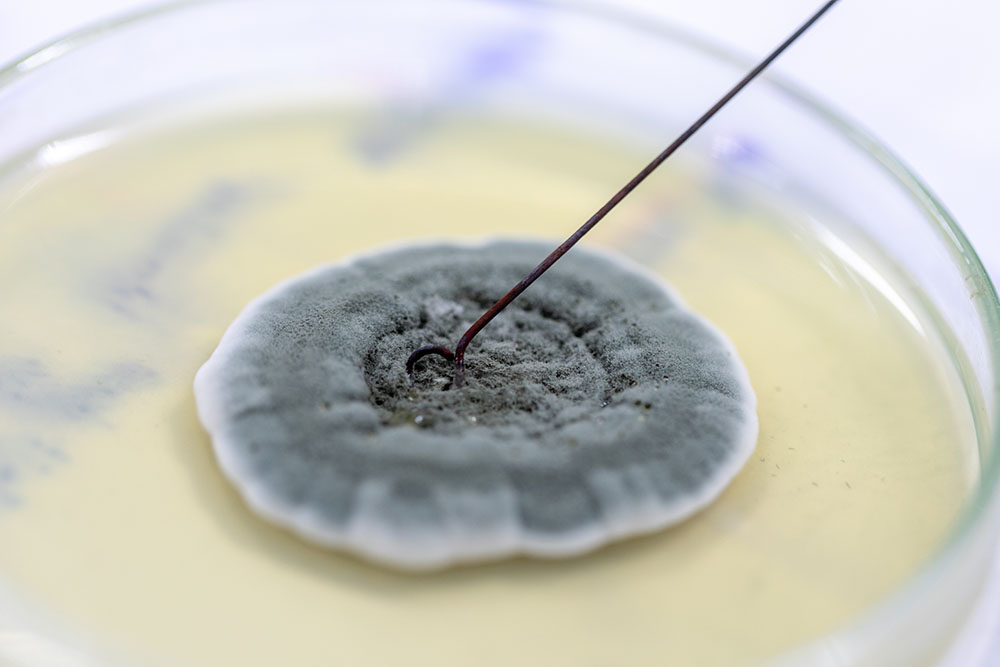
595, 407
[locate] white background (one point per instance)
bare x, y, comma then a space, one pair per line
923, 75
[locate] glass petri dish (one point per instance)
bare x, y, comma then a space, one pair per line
414, 67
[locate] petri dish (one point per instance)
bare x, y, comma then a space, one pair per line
159, 171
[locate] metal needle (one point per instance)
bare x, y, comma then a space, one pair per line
458, 356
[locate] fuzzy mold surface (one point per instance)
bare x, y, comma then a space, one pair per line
596, 406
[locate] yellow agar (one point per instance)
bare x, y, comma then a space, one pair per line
137, 540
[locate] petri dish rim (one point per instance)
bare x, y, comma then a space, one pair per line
979, 286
